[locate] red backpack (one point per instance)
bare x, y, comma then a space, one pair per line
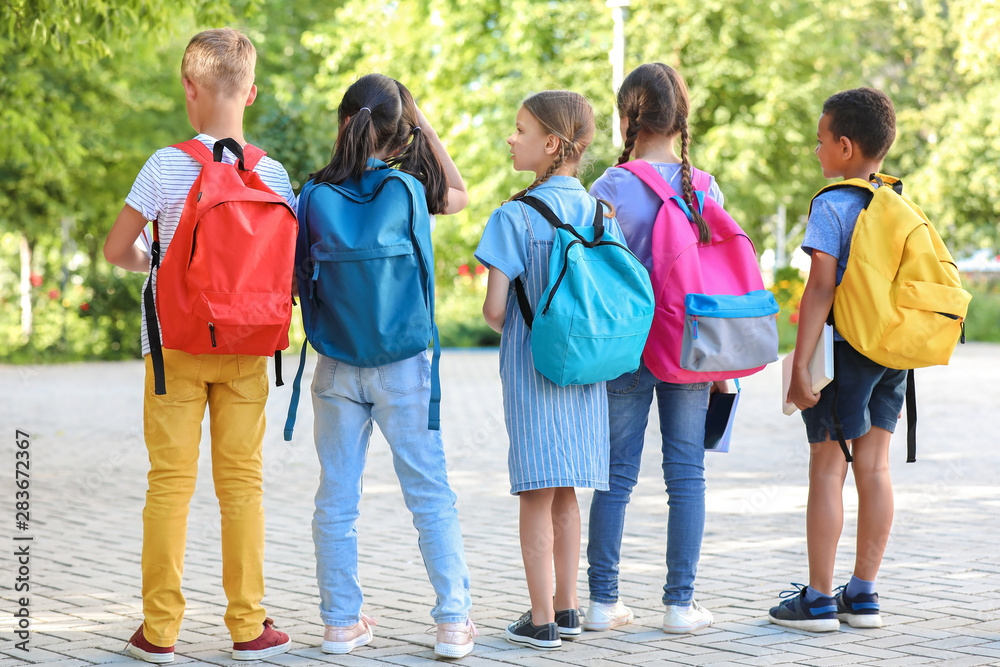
225, 284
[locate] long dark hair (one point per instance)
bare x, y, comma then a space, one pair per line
654, 98
376, 115
418, 158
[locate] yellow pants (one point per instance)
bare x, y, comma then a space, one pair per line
235, 389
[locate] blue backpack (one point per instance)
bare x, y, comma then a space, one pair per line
595, 312
365, 265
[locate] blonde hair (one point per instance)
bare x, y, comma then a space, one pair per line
222, 60
570, 117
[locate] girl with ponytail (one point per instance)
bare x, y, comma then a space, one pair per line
653, 107
380, 127
558, 435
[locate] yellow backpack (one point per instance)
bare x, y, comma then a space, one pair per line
900, 302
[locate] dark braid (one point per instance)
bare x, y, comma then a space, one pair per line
704, 233
631, 132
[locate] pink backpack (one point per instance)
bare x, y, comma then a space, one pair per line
714, 320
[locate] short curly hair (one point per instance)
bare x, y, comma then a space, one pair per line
866, 117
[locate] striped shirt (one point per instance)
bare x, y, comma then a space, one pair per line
163, 184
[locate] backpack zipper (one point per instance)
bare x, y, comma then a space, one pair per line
562, 273
962, 339
695, 317
211, 330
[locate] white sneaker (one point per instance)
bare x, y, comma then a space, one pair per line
679, 620
606, 615
340, 640
455, 640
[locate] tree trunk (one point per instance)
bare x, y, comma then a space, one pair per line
26, 321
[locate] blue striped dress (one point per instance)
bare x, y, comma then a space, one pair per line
558, 435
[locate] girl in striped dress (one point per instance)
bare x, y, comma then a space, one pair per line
558, 435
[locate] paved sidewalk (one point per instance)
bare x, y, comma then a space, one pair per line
939, 583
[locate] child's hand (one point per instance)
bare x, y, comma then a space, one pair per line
720, 387
422, 119
800, 390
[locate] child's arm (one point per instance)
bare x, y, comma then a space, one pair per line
495, 306
458, 196
813, 311
120, 248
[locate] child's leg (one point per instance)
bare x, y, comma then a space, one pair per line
342, 429
629, 398
682, 426
566, 546
875, 501
400, 393
824, 512
236, 402
172, 426
535, 528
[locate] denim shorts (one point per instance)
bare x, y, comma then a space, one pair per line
867, 395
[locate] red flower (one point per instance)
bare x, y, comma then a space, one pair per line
480, 269
36, 280
463, 270
53, 294
84, 306
794, 318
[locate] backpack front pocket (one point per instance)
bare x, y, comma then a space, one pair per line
927, 322
725, 332
251, 323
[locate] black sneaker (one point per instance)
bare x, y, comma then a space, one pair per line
820, 615
568, 621
861, 611
524, 632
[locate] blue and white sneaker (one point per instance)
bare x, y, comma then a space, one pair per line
818, 616
861, 611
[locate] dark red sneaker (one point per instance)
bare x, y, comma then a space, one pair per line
139, 647
271, 642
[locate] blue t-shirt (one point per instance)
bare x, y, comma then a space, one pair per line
831, 224
636, 205
506, 243
832, 219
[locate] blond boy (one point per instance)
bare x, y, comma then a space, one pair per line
218, 77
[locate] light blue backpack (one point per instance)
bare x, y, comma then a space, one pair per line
365, 266
595, 313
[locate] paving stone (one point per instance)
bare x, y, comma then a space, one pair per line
938, 584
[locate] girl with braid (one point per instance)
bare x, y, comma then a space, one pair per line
653, 105
558, 435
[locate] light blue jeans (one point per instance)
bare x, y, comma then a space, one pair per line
682, 427
346, 400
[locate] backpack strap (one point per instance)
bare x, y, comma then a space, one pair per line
303, 242
522, 296
652, 178
152, 325
849, 183
248, 155
293, 405
434, 408
838, 428
911, 417
701, 180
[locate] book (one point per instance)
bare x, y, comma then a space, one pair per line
820, 368
719, 420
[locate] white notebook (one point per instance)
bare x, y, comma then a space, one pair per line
820, 368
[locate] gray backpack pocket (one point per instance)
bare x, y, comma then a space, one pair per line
724, 332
